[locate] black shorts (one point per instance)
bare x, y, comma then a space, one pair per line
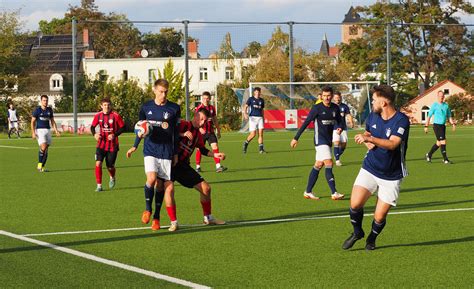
184, 174
209, 137
439, 131
109, 157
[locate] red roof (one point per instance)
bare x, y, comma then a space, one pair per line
431, 89
333, 51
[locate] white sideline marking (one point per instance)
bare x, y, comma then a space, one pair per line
14, 147
105, 261
250, 222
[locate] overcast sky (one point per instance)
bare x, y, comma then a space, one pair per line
308, 37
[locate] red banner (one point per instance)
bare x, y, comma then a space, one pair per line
281, 119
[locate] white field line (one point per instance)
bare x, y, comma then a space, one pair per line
250, 222
105, 261
14, 147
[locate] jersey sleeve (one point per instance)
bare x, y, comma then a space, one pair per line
367, 123
35, 113
176, 129
338, 118
120, 124
95, 121
201, 145
52, 113
432, 109
263, 103
401, 128
313, 114
248, 102
141, 114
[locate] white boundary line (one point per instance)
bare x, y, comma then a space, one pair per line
250, 222
105, 261
14, 147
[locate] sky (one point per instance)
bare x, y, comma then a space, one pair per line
211, 35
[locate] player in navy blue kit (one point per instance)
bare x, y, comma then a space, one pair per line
386, 137
160, 152
255, 104
41, 130
326, 117
340, 140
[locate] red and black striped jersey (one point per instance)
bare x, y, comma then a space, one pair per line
187, 146
110, 123
209, 126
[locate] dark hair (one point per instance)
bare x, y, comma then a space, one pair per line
257, 89
206, 93
327, 88
162, 82
205, 112
338, 93
105, 100
44, 96
385, 91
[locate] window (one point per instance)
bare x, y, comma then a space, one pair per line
152, 75
125, 75
56, 82
353, 30
424, 113
203, 73
446, 91
229, 73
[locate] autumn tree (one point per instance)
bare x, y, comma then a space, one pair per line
167, 43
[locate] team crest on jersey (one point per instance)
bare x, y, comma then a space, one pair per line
164, 125
106, 125
388, 132
111, 121
166, 115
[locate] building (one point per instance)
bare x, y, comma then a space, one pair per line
350, 29
327, 50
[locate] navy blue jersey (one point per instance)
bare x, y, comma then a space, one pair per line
43, 117
382, 163
163, 141
344, 111
256, 106
326, 119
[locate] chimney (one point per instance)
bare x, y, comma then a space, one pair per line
193, 49
85, 37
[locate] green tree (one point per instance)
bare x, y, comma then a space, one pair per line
252, 49
176, 91
226, 50
462, 106
168, 43
228, 113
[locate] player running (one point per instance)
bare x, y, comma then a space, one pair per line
111, 126
41, 122
255, 117
160, 151
12, 121
326, 117
207, 131
383, 168
340, 140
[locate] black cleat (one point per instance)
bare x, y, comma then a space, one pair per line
244, 148
198, 170
369, 246
428, 158
351, 241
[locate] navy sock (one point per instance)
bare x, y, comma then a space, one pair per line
434, 148
337, 152
260, 147
376, 230
313, 177
330, 179
159, 195
356, 220
341, 151
149, 192
40, 156
45, 158
443, 152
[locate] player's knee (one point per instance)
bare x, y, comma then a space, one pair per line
318, 165
380, 218
98, 163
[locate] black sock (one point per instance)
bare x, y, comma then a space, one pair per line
376, 230
313, 177
260, 146
356, 220
45, 158
434, 148
159, 195
443, 152
40, 156
330, 179
149, 192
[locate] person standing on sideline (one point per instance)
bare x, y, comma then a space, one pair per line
41, 122
383, 169
160, 152
326, 117
207, 132
340, 140
111, 125
440, 111
255, 104
12, 121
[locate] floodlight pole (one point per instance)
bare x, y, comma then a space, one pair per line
389, 56
290, 24
74, 73
186, 66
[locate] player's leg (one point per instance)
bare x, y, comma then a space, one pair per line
252, 133
159, 196
443, 144
336, 142
260, 140
313, 177
10, 129
110, 158
328, 164
151, 170
212, 140
204, 190
17, 129
378, 223
435, 147
342, 143
171, 205
99, 158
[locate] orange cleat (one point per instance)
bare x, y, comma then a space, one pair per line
146, 217
155, 224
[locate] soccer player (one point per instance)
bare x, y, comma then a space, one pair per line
383, 168
340, 140
326, 117
160, 152
319, 99
207, 131
12, 121
255, 104
111, 126
440, 111
41, 122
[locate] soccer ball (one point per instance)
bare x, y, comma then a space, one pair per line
143, 128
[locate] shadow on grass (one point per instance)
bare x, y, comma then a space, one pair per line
91, 168
427, 243
436, 187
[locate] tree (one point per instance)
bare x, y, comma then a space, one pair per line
229, 115
226, 50
462, 106
165, 44
252, 49
176, 90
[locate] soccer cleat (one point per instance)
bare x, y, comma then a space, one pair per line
98, 189
447, 162
310, 196
210, 220
155, 224
428, 158
198, 169
369, 246
39, 167
338, 163
112, 183
336, 196
221, 169
146, 217
244, 148
263, 151
349, 242
173, 226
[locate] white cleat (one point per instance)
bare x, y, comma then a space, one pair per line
310, 196
173, 226
210, 220
336, 196
338, 163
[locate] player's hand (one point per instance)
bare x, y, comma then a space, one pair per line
220, 156
139, 134
369, 145
131, 151
33, 135
57, 133
454, 127
202, 130
293, 143
188, 134
339, 131
360, 138
425, 129
97, 137
175, 160
111, 136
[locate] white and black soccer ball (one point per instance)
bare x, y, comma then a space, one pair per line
143, 128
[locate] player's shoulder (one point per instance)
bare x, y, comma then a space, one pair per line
148, 103
172, 105
401, 117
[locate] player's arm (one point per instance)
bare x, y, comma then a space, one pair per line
136, 143
450, 118
351, 120
311, 117
389, 144
218, 127
338, 126
53, 124
33, 127
245, 114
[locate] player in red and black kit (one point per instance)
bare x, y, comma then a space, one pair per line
207, 131
183, 173
111, 126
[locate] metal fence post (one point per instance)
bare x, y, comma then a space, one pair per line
389, 55
186, 66
290, 24
74, 73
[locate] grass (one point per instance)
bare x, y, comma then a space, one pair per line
414, 250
